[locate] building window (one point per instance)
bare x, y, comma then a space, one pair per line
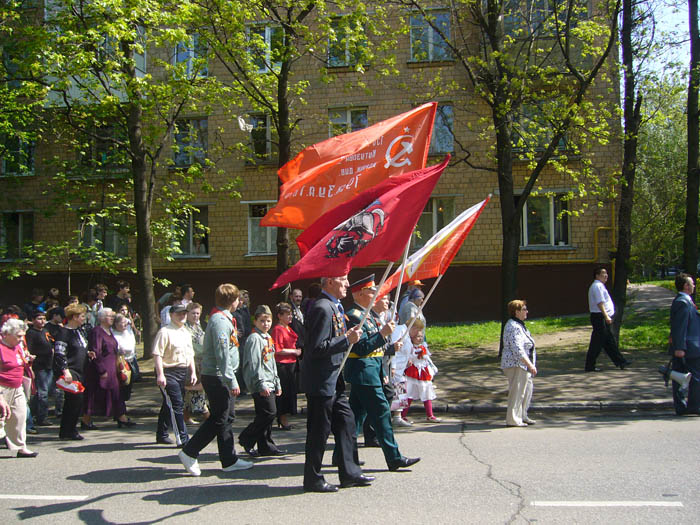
262, 139
103, 154
192, 54
266, 47
537, 17
17, 157
262, 240
443, 136
346, 120
345, 44
532, 130
543, 223
105, 236
427, 45
436, 215
194, 233
191, 142
16, 234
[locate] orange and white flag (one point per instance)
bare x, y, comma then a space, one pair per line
334, 171
435, 257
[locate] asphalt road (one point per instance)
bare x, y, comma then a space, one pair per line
569, 468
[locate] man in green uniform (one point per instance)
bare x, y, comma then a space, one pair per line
364, 371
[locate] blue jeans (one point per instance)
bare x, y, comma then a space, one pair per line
40, 402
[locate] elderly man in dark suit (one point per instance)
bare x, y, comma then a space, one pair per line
327, 340
685, 344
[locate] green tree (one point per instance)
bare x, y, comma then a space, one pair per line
533, 64
119, 114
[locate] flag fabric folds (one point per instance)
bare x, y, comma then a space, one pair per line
378, 228
325, 175
435, 257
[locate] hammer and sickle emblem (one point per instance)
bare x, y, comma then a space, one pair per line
406, 149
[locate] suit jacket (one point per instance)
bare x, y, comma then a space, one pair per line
324, 346
685, 326
364, 366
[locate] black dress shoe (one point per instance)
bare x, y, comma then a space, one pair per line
72, 437
624, 364
403, 463
278, 452
21, 454
593, 370
164, 441
321, 487
87, 426
128, 423
372, 443
360, 481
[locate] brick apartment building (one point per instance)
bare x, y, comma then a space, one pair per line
557, 255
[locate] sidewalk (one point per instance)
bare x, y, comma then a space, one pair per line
469, 380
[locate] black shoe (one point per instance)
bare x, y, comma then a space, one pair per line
373, 443
72, 437
321, 487
21, 454
278, 452
128, 423
360, 481
87, 426
164, 441
624, 364
404, 462
44, 423
250, 451
593, 370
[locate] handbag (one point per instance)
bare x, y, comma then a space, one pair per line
123, 370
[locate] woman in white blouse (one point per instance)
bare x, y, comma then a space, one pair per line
518, 364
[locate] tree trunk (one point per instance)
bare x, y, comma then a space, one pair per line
690, 232
632, 107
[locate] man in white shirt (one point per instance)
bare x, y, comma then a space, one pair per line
602, 311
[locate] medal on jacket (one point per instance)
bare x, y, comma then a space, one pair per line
338, 324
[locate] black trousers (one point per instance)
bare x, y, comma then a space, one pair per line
691, 404
602, 338
260, 429
175, 388
287, 402
72, 410
326, 414
218, 424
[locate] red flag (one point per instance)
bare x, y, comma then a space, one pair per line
435, 257
379, 231
331, 172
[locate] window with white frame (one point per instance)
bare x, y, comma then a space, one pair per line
102, 153
266, 46
442, 140
17, 157
345, 43
537, 17
345, 120
438, 212
16, 234
191, 54
427, 43
262, 138
191, 142
262, 240
543, 223
104, 235
194, 233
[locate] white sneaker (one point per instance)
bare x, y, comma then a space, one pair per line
398, 421
240, 464
191, 465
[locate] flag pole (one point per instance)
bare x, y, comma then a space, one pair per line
398, 286
365, 315
425, 301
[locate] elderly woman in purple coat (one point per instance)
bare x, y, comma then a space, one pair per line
102, 397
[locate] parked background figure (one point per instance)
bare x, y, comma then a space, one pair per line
195, 398
286, 355
70, 355
102, 396
12, 367
518, 364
